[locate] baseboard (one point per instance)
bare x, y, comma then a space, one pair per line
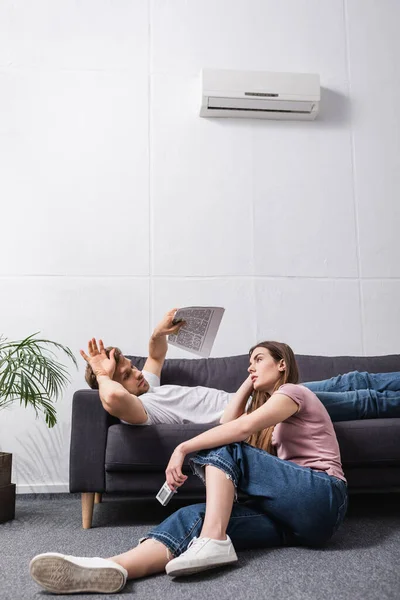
43, 488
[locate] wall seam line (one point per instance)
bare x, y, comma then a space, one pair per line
354, 178
150, 190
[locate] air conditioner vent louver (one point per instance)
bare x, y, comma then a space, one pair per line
265, 110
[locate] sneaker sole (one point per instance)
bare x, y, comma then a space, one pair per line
57, 574
190, 570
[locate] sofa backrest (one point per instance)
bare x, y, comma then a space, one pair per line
228, 373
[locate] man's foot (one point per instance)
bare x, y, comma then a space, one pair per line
202, 554
63, 574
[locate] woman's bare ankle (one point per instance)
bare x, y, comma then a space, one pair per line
214, 533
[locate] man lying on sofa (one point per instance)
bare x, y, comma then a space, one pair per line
137, 398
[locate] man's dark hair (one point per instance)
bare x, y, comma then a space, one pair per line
90, 377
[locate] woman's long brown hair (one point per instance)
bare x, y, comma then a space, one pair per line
263, 439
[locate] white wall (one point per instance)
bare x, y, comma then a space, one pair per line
119, 202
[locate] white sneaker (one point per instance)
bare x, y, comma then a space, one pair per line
202, 554
63, 574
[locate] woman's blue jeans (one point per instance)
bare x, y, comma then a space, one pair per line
289, 504
359, 395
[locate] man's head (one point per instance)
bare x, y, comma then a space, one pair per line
125, 373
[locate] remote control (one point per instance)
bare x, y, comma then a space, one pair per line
165, 494
176, 321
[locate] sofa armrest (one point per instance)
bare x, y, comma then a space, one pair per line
89, 428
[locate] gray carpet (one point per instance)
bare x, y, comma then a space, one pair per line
361, 561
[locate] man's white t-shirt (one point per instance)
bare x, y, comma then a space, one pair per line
177, 404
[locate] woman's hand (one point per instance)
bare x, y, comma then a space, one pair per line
248, 384
237, 405
174, 476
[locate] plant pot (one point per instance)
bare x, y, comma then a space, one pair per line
5, 468
7, 489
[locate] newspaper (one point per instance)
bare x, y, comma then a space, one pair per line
198, 333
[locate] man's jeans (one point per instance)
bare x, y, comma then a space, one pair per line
358, 395
289, 504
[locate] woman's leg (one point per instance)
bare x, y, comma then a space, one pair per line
308, 503
358, 380
220, 493
64, 574
146, 559
152, 556
217, 522
200, 537
248, 527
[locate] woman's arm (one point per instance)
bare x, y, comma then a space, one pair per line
278, 408
237, 405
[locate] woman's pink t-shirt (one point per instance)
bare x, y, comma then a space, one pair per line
308, 437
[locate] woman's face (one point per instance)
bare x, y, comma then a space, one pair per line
265, 372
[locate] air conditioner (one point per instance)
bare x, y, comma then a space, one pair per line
259, 94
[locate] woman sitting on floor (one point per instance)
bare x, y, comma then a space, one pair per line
297, 497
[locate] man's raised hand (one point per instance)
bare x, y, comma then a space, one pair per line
166, 327
98, 360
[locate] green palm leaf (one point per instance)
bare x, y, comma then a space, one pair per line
31, 374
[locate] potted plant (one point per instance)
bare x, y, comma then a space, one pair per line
31, 375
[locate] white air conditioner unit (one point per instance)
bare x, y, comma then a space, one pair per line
259, 94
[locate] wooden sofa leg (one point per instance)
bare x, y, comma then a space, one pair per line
87, 509
98, 498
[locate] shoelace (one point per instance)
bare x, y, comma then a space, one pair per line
196, 543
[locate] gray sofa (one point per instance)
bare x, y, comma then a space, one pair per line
107, 456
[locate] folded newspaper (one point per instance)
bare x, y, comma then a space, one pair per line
201, 327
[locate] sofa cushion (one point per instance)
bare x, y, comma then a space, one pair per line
148, 448
147, 483
368, 442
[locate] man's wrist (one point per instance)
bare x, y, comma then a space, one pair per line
156, 335
102, 376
